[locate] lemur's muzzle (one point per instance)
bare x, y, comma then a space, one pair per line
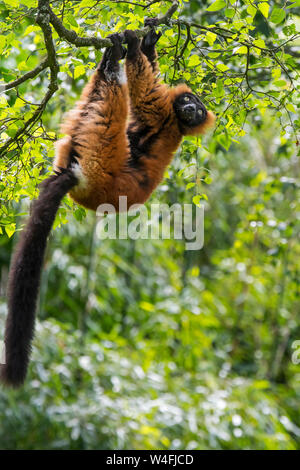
189, 111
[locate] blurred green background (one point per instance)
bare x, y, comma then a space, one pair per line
141, 344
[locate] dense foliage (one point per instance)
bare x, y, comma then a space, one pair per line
141, 344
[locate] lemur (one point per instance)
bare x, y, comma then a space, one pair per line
119, 139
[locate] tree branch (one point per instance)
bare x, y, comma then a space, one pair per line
43, 20
33, 73
73, 38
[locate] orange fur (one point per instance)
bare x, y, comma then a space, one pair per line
105, 122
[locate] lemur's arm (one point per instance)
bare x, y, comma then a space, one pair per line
150, 101
148, 44
96, 127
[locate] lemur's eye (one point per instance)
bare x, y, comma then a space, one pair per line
186, 98
199, 112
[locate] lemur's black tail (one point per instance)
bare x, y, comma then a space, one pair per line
24, 277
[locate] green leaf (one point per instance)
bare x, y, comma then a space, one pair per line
147, 306
196, 200
19, 103
12, 3
194, 60
3, 102
10, 229
79, 70
79, 213
291, 107
224, 140
278, 15
261, 384
72, 20
229, 12
2, 42
86, 3
276, 73
280, 83
208, 179
22, 65
222, 67
218, 5
294, 5
251, 10
28, 3
264, 9
211, 37
190, 185
259, 43
242, 50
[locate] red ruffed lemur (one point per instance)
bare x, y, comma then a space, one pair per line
119, 139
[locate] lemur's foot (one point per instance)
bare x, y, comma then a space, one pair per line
117, 51
109, 66
133, 43
130, 37
151, 39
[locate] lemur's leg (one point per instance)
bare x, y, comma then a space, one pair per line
96, 128
150, 101
150, 128
148, 44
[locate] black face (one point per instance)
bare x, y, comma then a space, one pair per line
189, 110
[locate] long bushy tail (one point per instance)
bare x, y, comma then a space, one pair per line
24, 277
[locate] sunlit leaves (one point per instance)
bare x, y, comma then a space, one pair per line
194, 60
10, 229
222, 67
2, 42
217, 5
260, 44
224, 140
264, 8
79, 70
280, 83
190, 185
28, 3
210, 37
277, 15
3, 102
12, 3
86, 3
229, 12
290, 107
251, 10
197, 199
241, 50
71, 20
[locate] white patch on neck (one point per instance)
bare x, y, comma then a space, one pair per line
82, 180
2, 353
122, 76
